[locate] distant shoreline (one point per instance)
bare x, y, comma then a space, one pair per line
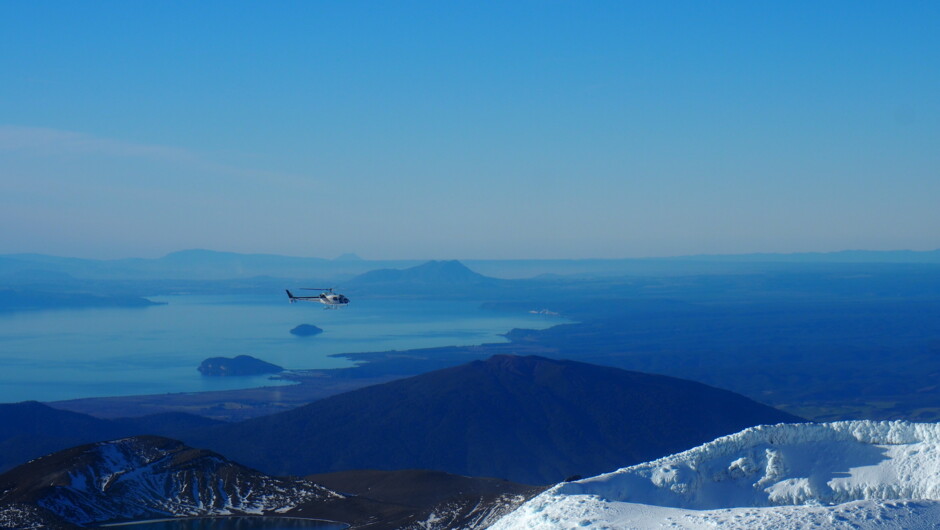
231, 405
157, 351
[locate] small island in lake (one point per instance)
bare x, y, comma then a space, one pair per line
241, 365
306, 330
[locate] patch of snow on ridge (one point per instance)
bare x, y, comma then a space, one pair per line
886, 471
135, 479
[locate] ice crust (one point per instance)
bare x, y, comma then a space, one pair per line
834, 474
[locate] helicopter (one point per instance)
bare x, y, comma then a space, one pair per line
327, 297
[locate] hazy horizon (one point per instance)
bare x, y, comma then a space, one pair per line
348, 255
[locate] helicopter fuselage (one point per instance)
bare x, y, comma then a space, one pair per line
328, 298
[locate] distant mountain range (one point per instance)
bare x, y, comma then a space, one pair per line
842, 256
527, 419
208, 265
194, 264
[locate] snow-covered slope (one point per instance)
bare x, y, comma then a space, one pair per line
837, 475
466, 514
147, 477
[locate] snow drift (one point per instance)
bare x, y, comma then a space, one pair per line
787, 472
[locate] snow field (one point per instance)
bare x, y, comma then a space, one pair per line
863, 473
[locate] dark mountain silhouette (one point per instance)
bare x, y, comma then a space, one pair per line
306, 330
31, 429
451, 501
430, 273
416, 486
434, 278
527, 419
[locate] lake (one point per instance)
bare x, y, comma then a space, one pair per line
74, 353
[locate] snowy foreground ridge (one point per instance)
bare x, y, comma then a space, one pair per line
854, 474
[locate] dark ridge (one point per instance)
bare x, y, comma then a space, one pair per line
527, 419
32, 429
418, 487
438, 500
164, 422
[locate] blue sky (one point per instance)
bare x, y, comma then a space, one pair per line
468, 129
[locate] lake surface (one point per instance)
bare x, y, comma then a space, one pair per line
233, 523
66, 354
